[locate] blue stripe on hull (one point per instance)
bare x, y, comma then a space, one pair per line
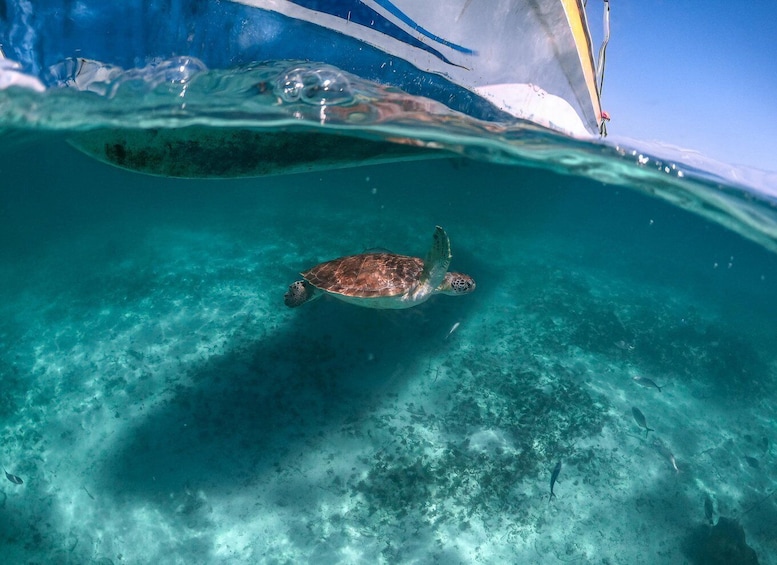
221, 34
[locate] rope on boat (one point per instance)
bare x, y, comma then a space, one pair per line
601, 63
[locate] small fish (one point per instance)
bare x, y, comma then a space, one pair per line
553, 477
13, 478
639, 417
752, 461
646, 382
665, 451
708, 509
454, 327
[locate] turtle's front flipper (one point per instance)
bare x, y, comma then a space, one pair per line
299, 292
438, 259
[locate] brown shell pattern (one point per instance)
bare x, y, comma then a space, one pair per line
369, 275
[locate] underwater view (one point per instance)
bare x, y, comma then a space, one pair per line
596, 384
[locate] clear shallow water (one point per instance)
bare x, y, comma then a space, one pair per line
161, 404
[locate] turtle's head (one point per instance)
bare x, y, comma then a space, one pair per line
299, 292
456, 284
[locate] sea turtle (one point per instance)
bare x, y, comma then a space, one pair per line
383, 280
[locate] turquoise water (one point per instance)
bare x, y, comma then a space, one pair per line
161, 404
